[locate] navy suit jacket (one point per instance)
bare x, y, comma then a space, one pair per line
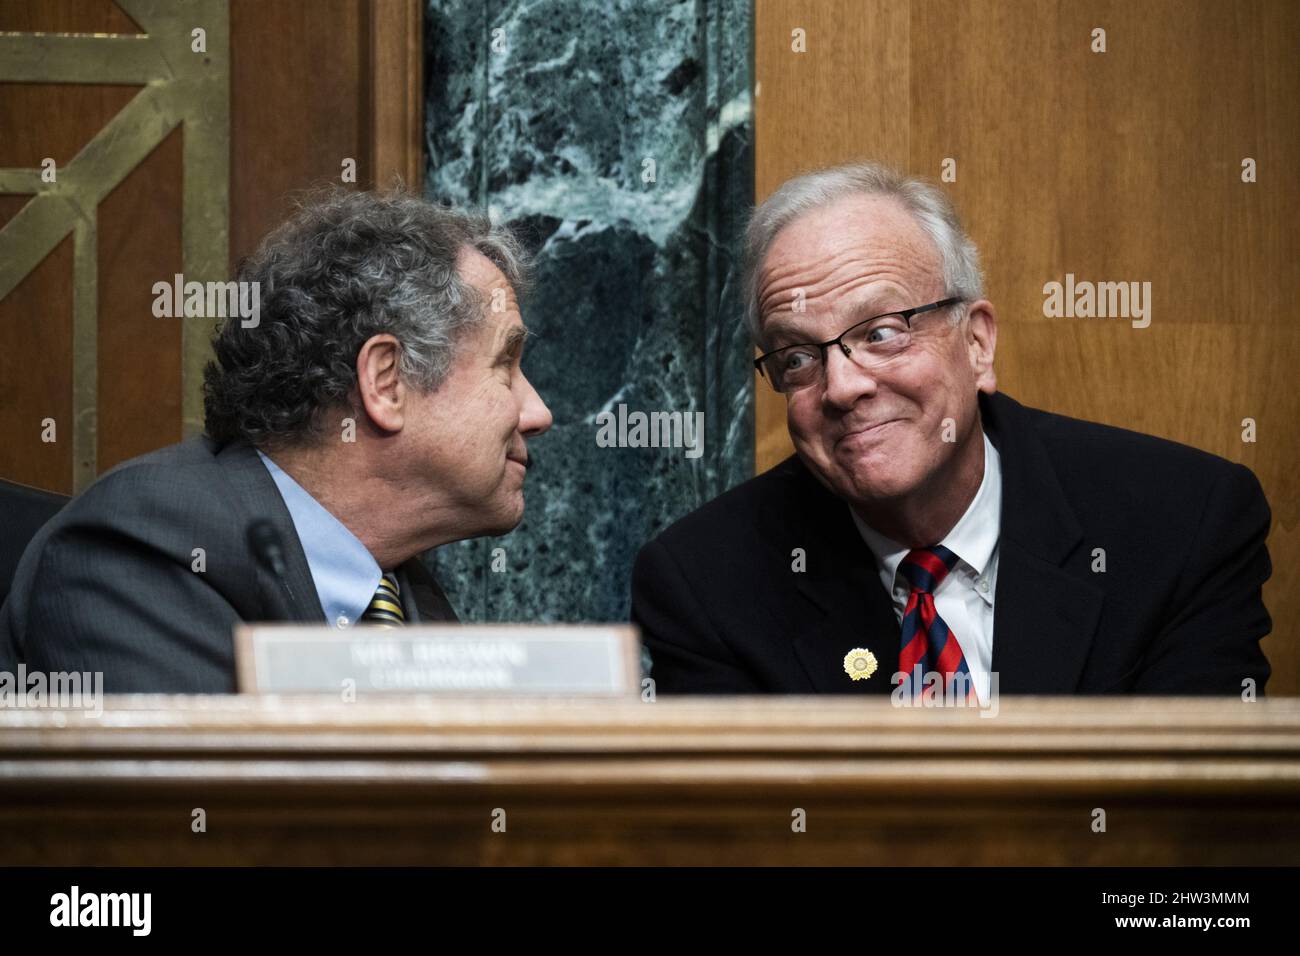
1178, 609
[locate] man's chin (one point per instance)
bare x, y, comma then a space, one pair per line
508, 518
872, 485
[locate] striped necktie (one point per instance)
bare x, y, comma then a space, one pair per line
386, 606
928, 645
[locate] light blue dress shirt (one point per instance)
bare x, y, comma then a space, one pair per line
344, 571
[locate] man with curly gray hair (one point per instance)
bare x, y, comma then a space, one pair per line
375, 410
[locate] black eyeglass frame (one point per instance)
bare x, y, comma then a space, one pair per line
905, 314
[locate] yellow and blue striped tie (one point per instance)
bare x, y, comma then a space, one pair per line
386, 606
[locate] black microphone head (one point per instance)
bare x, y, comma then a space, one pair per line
267, 544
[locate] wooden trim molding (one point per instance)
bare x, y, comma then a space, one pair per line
417, 780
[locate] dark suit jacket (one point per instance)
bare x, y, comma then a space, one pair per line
1177, 610
107, 585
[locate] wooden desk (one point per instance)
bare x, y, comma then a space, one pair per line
696, 781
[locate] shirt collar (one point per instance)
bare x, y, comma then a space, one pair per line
973, 538
344, 571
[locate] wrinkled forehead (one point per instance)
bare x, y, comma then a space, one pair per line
484, 274
852, 239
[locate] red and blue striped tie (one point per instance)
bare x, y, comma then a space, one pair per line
928, 644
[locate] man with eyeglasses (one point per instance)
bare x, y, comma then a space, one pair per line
931, 536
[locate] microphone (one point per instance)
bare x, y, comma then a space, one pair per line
268, 548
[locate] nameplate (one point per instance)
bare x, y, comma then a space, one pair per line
457, 659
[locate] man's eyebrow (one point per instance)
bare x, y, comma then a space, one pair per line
872, 308
514, 341
777, 329
780, 329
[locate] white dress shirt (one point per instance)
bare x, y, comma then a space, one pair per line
965, 597
345, 573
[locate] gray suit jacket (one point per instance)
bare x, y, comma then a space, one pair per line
108, 584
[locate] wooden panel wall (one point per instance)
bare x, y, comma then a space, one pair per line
39, 120
1114, 166
297, 106
312, 82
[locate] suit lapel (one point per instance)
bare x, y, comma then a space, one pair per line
1043, 624
423, 599
1044, 618
255, 495
842, 603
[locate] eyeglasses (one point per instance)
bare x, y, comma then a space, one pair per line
868, 343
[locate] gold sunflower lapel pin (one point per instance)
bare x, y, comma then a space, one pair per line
859, 663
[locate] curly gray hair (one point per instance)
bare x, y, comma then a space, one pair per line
932, 209
348, 265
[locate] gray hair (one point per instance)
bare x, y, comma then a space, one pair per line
927, 203
348, 265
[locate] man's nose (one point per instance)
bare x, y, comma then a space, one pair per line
846, 380
534, 416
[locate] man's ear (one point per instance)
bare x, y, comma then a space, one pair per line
379, 382
982, 343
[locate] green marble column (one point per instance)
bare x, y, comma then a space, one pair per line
617, 137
